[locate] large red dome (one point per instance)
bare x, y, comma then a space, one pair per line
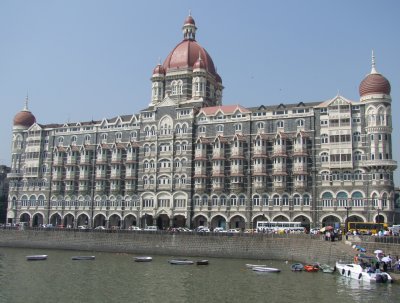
374, 83
24, 118
185, 55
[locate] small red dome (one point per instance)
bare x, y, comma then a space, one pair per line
189, 20
24, 118
374, 83
159, 69
185, 55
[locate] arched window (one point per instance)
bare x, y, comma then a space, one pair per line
306, 200
265, 200
242, 200
300, 122
341, 199
73, 140
327, 199
87, 139
220, 128
324, 139
296, 200
256, 200
280, 124
238, 127
233, 201
60, 141
276, 200
357, 156
357, 199
356, 137
325, 157
285, 200
118, 137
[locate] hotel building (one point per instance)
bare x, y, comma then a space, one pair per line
189, 160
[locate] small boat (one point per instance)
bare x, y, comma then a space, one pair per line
311, 267
36, 257
143, 259
180, 262
266, 269
83, 258
202, 262
355, 271
327, 268
255, 265
297, 267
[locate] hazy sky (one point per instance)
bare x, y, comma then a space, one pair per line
80, 60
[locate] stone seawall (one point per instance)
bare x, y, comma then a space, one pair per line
301, 248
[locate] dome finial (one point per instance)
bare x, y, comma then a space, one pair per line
373, 69
26, 103
190, 12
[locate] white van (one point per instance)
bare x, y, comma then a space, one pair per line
150, 228
395, 229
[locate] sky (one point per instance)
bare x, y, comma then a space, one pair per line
79, 60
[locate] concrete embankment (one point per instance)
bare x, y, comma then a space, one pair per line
293, 247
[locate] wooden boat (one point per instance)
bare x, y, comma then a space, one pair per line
297, 267
36, 257
311, 267
266, 269
180, 262
143, 259
355, 271
83, 258
202, 262
255, 265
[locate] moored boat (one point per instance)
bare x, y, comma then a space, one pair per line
143, 259
311, 267
357, 272
202, 262
266, 269
36, 257
297, 267
180, 262
327, 268
75, 258
255, 265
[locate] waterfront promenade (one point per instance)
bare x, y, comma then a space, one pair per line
292, 247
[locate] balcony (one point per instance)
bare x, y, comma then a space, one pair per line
385, 162
200, 154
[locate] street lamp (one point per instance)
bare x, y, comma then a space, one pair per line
347, 208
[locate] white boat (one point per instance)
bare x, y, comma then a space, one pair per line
36, 257
143, 259
180, 262
265, 269
83, 257
255, 265
355, 271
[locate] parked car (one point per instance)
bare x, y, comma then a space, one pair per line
82, 227
219, 230
150, 228
233, 231
100, 227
